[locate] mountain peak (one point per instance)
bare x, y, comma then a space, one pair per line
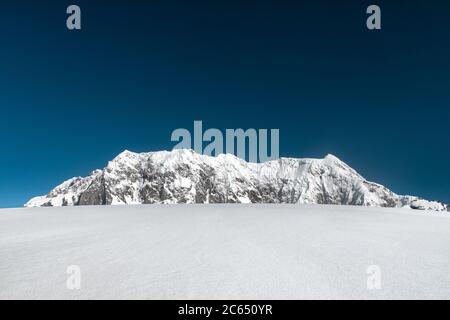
125, 153
331, 157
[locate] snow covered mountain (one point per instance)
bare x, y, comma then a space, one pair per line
183, 176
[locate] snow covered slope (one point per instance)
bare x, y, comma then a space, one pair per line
225, 252
183, 176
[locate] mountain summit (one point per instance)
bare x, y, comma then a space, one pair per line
183, 176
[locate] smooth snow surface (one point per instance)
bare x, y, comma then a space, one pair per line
224, 252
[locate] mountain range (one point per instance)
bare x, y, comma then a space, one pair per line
183, 176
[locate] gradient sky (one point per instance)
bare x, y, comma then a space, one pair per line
71, 101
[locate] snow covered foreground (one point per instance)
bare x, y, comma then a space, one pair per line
224, 252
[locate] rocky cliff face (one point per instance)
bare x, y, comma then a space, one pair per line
183, 176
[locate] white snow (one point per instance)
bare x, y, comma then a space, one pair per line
224, 252
421, 204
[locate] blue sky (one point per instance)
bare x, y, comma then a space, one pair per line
71, 101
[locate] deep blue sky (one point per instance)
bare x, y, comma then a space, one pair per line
71, 101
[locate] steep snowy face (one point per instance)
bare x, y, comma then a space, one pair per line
183, 176
323, 181
69, 193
